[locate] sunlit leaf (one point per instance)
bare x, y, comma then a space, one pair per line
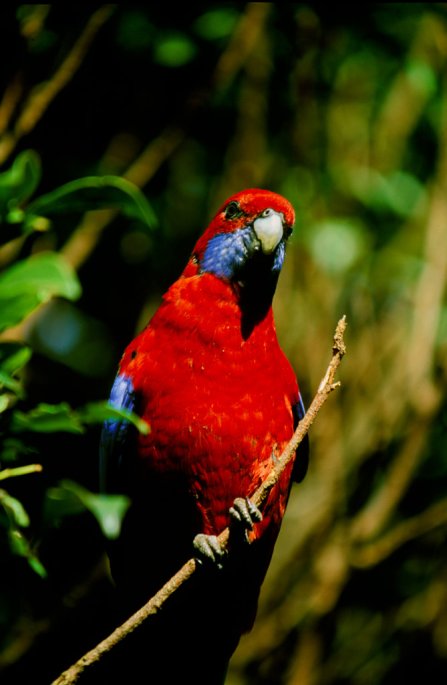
97, 412
20, 181
4, 400
13, 356
20, 546
422, 76
174, 50
6, 381
47, 418
71, 498
95, 192
50, 418
398, 193
33, 281
337, 244
15, 509
15, 309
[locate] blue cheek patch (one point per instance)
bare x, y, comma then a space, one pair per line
280, 253
226, 253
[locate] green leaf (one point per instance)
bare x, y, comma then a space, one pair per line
422, 76
20, 546
47, 273
399, 193
4, 400
97, 412
337, 244
71, 498
13, 357
20, 181
217, 23
50, 418
135, 32
13, 448
95, 192
13, 310
33, 281
6, 381
61, 502
174, 50
47, 418
14, 509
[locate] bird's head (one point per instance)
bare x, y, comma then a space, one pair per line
245, 242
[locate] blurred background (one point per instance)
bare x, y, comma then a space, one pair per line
344, 111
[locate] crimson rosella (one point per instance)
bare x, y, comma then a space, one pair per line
222, 401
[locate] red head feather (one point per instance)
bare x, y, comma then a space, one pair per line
248, 205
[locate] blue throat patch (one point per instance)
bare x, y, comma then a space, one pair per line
227, 253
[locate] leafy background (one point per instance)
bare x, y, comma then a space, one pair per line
121, 130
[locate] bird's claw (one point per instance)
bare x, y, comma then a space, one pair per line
209, 550
244, 513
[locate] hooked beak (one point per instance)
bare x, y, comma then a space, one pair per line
269, 229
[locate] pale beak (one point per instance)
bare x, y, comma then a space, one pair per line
269, 229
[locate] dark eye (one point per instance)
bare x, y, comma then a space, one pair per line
232, 210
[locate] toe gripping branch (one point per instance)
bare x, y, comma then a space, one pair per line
243, 515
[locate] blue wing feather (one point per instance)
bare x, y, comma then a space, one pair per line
115, 436
302, 459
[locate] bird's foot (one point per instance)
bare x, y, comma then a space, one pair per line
244, 514
209, 550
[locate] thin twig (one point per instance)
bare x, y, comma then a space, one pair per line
152, 607
20, 471
373, 553
9, 102
42, 96
376, 513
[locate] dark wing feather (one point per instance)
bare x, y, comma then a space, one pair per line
115, 436
302, 459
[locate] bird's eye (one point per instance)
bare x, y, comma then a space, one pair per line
232, 210
267, 212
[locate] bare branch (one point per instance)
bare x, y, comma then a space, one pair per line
371, 554
42, 96
152, 607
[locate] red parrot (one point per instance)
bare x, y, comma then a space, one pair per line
222, 401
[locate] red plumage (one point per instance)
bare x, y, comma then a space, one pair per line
208, 375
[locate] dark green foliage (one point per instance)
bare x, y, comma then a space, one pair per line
342, 108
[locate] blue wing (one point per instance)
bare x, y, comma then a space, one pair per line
302, 460
115, 437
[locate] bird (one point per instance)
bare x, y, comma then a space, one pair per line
209, 377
